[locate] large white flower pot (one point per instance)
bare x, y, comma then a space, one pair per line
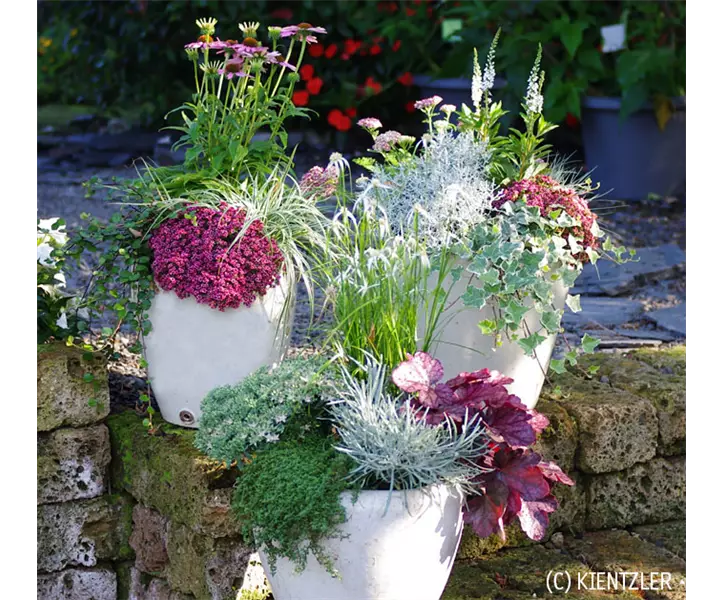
193, 348
461, 346
405, 554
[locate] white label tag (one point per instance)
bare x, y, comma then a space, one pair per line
613, 37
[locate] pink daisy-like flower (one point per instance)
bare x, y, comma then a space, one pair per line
233, 68
203, 42
303, 30
427, 103
370, 123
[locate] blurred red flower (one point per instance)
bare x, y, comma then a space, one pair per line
371, 86
306, 72
330, 51
314, 85
300, 98
409, 106
316, 50
338, 120
350, 112
406, 79
375, 49
571, 120
396, 45
351, 46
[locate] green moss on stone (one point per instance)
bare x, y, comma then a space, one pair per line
515, 574
665, 359
167, 473
558, 441
669, 535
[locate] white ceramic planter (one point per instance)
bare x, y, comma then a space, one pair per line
193, 348
404, 554
461, 346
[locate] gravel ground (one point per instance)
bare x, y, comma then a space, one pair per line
640, 224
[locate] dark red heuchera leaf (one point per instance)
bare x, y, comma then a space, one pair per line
516, 481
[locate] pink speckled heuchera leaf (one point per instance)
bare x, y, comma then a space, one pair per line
419, 374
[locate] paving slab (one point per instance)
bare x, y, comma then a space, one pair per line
607, 312
672, 319
609, 279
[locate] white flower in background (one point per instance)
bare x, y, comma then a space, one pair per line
271, 437
48, 239
477, 86
534, 99
62, 320
280, 418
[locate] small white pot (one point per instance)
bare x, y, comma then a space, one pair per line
404, 554
193, 348
460, 345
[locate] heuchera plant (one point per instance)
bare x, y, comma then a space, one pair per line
514, 480
203, 254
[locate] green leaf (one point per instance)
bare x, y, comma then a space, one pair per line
571, 357
487, 327
573, 302
593, 369
529, 343
571, 35
589, 343
475, 297
514, 312
551, 321
558, 366
88, 377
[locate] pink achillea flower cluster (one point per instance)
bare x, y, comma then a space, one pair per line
547, 194
318, 183
385, 141
370, 123
427, 103
194, 254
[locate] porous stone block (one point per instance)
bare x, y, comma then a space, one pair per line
83, 532
78, 584
654, 378
558, 441
618, 552
167, 473
148, 540
65, 398
205, 567
72, 463
645, 493
615, 428
669, 535
140, 586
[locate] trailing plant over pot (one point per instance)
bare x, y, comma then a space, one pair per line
336, 461
514, 224
218, 243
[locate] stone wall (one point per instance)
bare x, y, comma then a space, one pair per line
126, 515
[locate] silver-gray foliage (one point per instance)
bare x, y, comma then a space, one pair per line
447, 186
389, 443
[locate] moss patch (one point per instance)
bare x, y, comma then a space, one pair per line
668, 360
515, 574
669, 535
167, 473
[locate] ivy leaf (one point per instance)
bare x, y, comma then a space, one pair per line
551, 321
589, 343
529, 343
558, 366
475, 297
573, 302
514, 312
487, 327
571, 357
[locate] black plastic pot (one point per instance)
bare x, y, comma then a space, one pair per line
633, 158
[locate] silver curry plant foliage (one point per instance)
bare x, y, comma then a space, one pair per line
390, 441
456, 184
